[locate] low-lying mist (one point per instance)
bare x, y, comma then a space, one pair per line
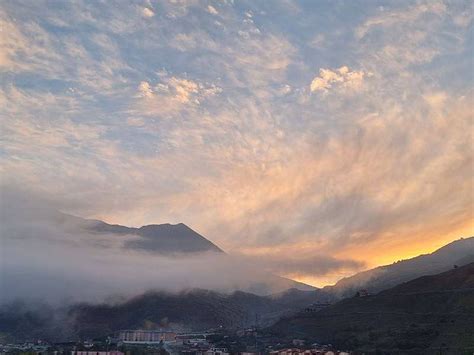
52, 257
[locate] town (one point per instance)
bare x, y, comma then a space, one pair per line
249, 341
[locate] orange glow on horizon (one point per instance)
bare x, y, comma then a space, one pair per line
400, 252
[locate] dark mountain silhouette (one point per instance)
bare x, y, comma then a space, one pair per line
160, 238
163, 238
193, 310
459, 252
425, 315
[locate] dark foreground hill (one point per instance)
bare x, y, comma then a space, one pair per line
459, 252
420, 316
190, 310
193, 310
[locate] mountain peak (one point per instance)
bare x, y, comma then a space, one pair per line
163, 238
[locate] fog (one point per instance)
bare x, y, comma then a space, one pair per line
53, 257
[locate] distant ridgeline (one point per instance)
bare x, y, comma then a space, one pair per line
459, 252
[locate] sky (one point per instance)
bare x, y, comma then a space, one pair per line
319, 137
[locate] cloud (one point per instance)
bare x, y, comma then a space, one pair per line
183, 89
339, 78
53, 257
212, 10
172, 95
299, 262
147, 12
436, 100
401, 36
145, 90
18, 51
401, 17
258, 59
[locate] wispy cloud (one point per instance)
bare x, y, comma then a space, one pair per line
403, 16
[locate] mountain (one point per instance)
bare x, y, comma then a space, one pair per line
160, 238
429, 314
188, 310
459, 252
186, 259
154, 238
168, 239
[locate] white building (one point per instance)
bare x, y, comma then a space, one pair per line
146, 336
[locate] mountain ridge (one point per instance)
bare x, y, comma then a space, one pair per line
460, 252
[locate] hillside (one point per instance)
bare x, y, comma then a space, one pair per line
189, 310
459, 252
418, 317
194, 310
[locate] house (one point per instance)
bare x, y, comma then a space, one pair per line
316, 307
298, 342
362, 293
192, 339
297, 351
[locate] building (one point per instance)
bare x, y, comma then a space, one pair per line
297, 351
362, 293
192, 339
217, 351
146, 336
247, 332
298, 342
113, 352
316, 307
286, 352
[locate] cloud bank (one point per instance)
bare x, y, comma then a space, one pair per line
51, 257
